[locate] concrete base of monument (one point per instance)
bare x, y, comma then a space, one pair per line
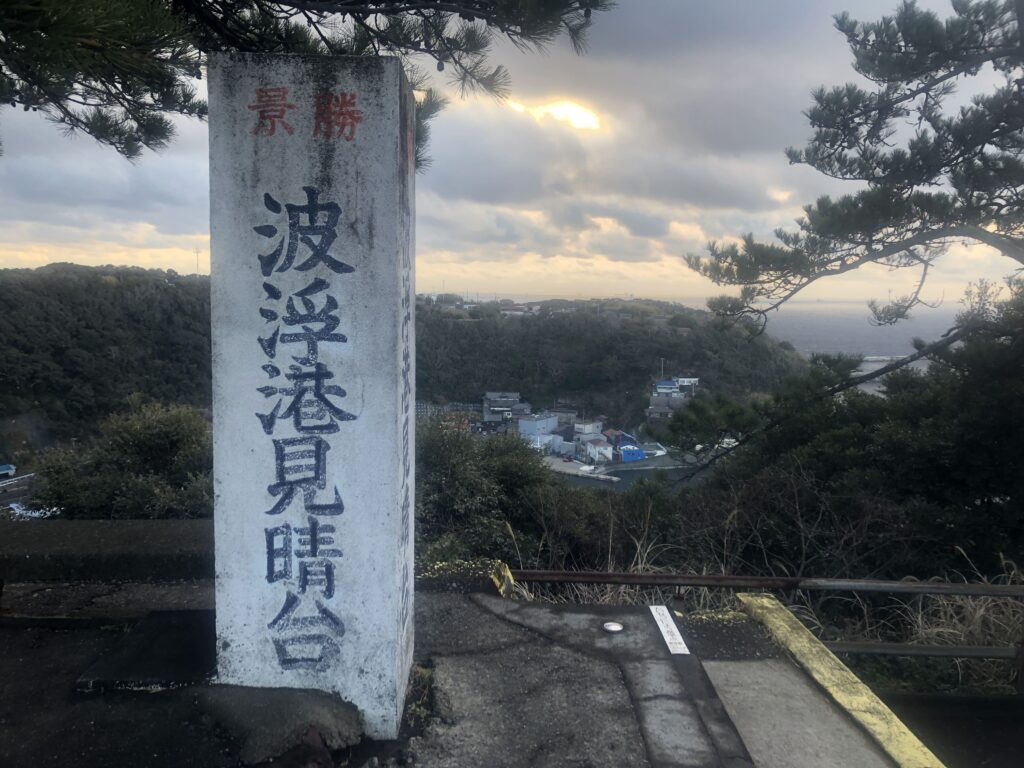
511, 685
269, 722
167, 649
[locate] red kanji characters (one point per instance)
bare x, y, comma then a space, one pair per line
336, 116
270, 107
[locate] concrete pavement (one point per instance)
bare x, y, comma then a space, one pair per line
513, 685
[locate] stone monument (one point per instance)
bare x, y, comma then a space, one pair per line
311, 208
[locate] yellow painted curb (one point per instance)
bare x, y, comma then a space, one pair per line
845, 688
502, 578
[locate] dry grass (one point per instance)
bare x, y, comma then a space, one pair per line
963, 620
685, 599
928, 620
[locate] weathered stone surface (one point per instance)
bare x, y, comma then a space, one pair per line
105, 550
669, 693
167, 649
269, 722
785, 719
530, 706
311, 179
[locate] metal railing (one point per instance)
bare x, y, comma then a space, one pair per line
786, 583
13, 480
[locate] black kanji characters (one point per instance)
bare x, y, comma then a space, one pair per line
301, 464
313, 546
317, 645
309, 408
303, 557
313, 225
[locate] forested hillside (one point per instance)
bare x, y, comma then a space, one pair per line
77, 341
601, 355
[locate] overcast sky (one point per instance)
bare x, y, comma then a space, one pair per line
595, 179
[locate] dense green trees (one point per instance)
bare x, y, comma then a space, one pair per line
468, 490
911, 482
77, 341
493, 497
155, 461
906, 483
830, 480
601, 355
848, 485
926, 171
925, 480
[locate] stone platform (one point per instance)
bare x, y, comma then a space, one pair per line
513, 684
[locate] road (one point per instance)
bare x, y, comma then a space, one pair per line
572, 468
16, 490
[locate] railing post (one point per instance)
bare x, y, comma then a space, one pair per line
1020, 668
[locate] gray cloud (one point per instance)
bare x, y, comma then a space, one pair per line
496, 156
578, 215
697, 100
57, 181
619, 247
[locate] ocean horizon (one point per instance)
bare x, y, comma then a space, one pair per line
848, 329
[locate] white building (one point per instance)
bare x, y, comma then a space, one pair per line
669, 395
538, 424
599, 450
588, 427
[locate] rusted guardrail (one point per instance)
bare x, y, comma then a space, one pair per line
770, 583
1008, 653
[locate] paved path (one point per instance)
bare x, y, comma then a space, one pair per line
516, 685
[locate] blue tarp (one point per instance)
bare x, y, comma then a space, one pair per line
631, 453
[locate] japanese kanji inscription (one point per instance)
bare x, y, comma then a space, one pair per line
313, 336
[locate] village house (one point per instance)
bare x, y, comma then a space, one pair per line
625, 447
669, 395
599, 450
540, 431
503, 406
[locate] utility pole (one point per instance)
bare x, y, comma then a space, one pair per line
196, 251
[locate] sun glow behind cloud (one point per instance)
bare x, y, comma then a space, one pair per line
565, 111
597, 179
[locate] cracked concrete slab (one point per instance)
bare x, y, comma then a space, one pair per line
516, 684
452, 624
786, 721
671, 697
530, 704
670, 720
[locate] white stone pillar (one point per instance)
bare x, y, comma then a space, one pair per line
311, 209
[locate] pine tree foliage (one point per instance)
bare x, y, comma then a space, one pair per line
115, 69
928, 173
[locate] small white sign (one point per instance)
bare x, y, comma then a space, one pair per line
669, 630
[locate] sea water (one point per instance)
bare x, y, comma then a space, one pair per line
847, 328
